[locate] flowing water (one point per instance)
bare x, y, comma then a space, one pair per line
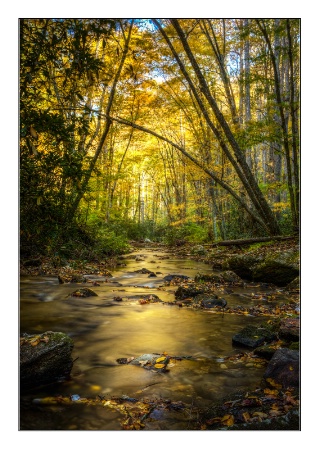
104, 330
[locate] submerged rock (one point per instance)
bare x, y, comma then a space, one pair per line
175, 276
210, 301
189, 291
83, 292
149, 361
44, 358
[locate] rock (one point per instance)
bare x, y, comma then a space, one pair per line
83, 292
143, 270
198, 250
45, 358
279, 268
210, 301
265, 351
253, 336
71, 279
242, 265
290, 329
294, 285
189, 291
229, 276
149, 361
177, 276
151, 274
208, 278
283, 368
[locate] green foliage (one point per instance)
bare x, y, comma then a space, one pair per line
187, 233
285, 222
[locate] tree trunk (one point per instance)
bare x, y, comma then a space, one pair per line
239, 164
86, 179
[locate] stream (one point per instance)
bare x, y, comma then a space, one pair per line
104, 330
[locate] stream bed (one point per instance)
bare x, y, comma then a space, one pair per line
104, 330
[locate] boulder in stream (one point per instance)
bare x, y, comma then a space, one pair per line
44, 358
253, 336
208, 301
283, 368
83, 292
279, 268
290, 329
171, 277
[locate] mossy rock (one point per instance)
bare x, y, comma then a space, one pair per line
253, 336
278, 268
242, 265
44, 358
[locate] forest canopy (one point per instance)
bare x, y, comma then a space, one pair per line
166, 129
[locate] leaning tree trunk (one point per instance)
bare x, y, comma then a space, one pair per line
239, 161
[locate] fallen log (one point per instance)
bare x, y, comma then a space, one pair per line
249, 241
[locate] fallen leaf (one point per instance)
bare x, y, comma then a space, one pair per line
227, 420
161, 359
159, 366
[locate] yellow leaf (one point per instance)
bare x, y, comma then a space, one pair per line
159, 366
95, 387
228, 420
273, 383
246, 416
271, 391
160, 359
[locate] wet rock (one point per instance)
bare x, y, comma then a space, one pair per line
71, 279
208, 278
228, 276
290, 329
83, 292
284, 368
175, 276
265, 351
149, 361
189, 291
151, 275
210, 301
44, 358
149, 299
253, 336
143, 270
